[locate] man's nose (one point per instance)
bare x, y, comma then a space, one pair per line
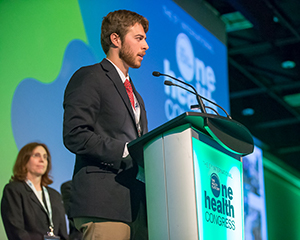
146, 46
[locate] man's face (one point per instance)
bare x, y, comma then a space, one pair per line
134, 46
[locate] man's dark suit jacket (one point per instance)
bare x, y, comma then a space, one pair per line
98, 122
24, 217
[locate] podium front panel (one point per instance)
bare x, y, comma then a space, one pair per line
183, 172
219, 193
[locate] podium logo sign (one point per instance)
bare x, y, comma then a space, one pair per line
218, 183
219, 209
215, 185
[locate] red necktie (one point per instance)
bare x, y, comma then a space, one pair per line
129, 91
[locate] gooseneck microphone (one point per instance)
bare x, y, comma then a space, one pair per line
229, 133
170, 83
198, 97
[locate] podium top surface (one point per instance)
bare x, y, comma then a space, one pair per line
229, 133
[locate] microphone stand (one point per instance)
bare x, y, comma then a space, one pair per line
229, 133
199, 100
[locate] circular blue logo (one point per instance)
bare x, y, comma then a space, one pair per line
185, 57
215, 184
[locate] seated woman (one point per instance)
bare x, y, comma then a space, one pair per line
29, 208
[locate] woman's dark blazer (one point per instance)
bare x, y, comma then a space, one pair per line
25, 218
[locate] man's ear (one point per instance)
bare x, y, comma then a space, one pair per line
115, 39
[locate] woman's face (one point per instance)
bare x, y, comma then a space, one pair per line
38, 162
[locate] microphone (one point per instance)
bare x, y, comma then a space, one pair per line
230, 134
156, 74
198, 97
169, 83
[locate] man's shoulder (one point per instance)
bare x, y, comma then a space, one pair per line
88, 68
86, 72
103, 66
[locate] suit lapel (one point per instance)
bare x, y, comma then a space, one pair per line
33, 197
113, 75
142, 109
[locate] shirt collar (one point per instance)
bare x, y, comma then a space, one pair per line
121, 74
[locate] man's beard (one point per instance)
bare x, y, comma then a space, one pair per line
128, 57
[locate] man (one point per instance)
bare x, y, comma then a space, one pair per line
100, 118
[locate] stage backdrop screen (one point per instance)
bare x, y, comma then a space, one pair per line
254, 196
45, 42
178, 46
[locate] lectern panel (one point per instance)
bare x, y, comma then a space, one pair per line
156, 196
219, 182
180, 184
193, 187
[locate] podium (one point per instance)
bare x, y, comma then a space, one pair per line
193, 176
